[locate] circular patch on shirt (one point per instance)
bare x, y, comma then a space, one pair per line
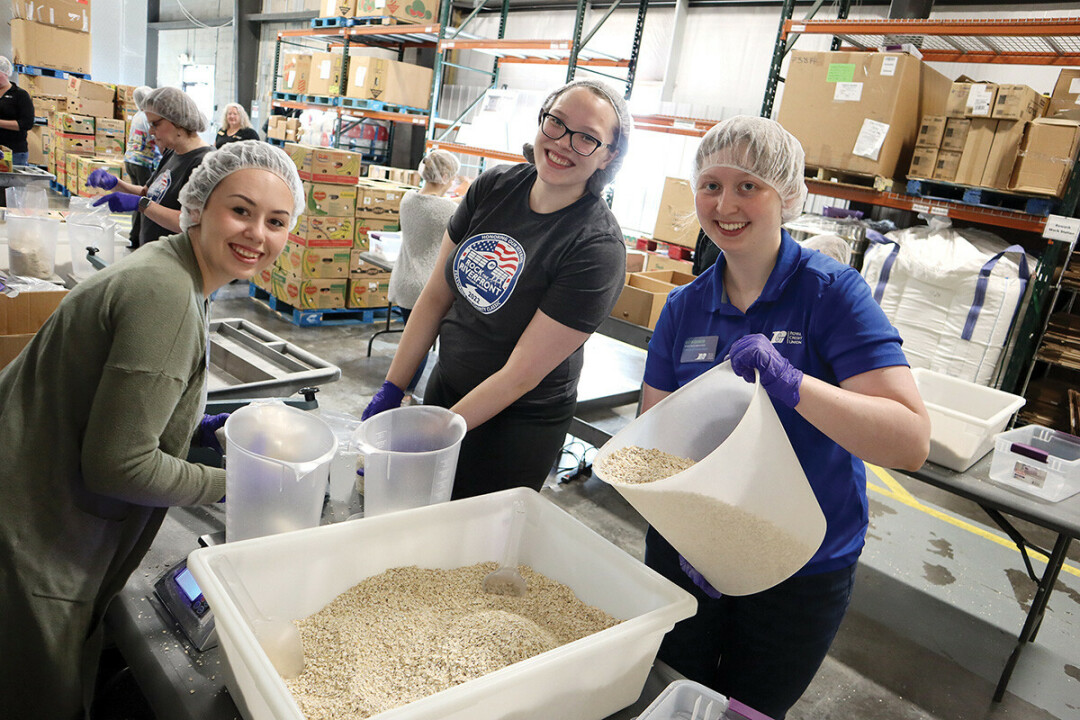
486, 269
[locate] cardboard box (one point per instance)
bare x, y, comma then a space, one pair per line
325, 165
262, 279
931, 131
946, 165
66, 14
673, 277
44, 85
107, 142
21, 316
86, 165
923, 161
364, 225
635, 260
125, 95
1047, 157
976, 151
313, 293
45, 106
337, 8
378, 198
70, 144
325, 76
858, 111
324, 231
641, 300
93, 108
327, 199
90, 90
275, 127
67, 122
1066, 95
971, 99
111, 125
35, 144
315, 262
415, 11
1003, 153
1018, 102
295, 72
369, 292
51, 47
657, 261
389, 81
955, 134
71, 173
676, 220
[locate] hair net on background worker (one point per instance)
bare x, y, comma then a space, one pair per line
438, 167
177, 107
6, 67
219, 164
601, 178
762, 148
139, 95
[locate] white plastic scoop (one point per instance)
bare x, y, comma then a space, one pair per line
507, 580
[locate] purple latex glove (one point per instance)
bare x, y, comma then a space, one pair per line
119, 202
699, 579
388, 397
103, 179
206, 433
779, 377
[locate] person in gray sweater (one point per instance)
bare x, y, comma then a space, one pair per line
97, 417
424, 215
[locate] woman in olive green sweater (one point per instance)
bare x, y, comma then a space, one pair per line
97, 414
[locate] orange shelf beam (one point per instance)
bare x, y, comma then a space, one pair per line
595, 62
1038, 27
474, 151
505, 45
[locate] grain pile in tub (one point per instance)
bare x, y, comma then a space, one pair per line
410, 632
732, 534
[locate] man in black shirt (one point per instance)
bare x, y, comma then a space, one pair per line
16, 115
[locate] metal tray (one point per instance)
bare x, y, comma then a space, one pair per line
249, 362
24, 175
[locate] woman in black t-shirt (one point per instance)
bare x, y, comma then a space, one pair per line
16, 115
175, 122
235, 125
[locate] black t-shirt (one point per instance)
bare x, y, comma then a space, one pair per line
241, 134
15, 104
164, 187
510, 262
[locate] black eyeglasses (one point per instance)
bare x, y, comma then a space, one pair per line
580, 142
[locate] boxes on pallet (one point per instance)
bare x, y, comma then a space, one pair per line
369, 284
323, 231
378, 198
73, 144
389, 81
47, 46
970, 99
325, 199
325, 74
415, 11
325, 165
1047, 157
315, 262
71, 123
337, 8
66, 14
295, 71
312, 293
859, 112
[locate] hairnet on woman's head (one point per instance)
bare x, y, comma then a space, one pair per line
762, 148
601, 178
177, 107
242, 155
6, 67
439, 167
139, 95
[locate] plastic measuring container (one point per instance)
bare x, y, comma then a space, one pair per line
81, 236
276, 469
32, 245
410, 457
744, 515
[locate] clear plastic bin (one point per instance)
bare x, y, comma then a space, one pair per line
964, 417
1037, 461
688, 700
292, 575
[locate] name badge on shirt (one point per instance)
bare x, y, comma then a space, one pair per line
699, 349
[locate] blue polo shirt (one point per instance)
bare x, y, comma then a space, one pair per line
821, 316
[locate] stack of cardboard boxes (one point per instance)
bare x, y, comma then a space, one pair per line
415, 11
51, 34
370, 78
86, 134
280, 127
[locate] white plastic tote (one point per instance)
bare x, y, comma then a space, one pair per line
745, 515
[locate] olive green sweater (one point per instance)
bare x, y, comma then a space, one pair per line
96, 415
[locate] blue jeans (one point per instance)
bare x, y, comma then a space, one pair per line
761, 649
22, 158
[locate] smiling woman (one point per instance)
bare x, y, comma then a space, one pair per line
99, 411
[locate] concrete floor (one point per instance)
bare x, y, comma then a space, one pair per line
937, 604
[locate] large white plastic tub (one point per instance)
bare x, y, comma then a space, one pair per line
292, 575
964, 417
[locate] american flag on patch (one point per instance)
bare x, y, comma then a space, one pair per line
505, 256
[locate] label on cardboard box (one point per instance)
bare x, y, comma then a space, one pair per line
980, 100
888, 66
840, 73
848, 92
871, 138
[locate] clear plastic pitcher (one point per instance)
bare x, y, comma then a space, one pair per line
744, 515
410, 457
32, 245
81, 236
346, 457
276, 467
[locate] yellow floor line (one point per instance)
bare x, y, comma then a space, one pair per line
894, 490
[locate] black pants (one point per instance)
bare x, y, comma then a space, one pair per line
516, 448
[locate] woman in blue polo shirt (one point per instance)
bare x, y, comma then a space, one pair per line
841, 386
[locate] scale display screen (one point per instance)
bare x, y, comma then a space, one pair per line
187, 585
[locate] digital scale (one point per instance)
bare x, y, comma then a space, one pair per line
184, 601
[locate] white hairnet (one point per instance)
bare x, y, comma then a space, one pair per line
6, 67
762, 148
139, 95
177, 107
219, 164
601, 178
439, 167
